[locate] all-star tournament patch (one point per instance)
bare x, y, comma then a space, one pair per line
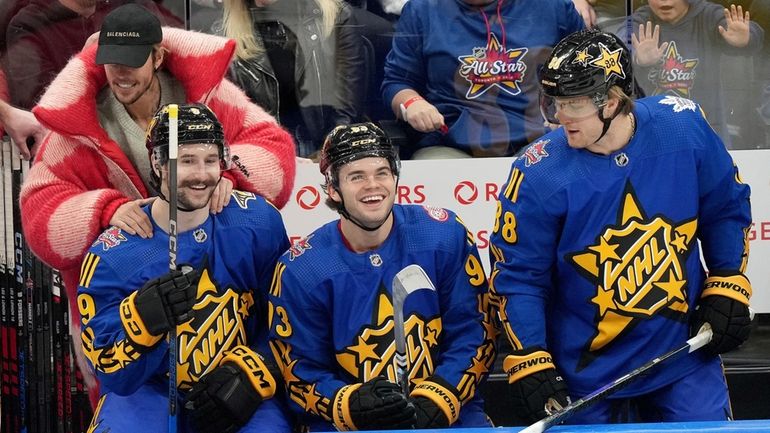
437, 213
299, 247
493, 66
110, 238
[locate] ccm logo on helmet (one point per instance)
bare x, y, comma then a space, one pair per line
530, 363
308, 197
363, 141
200, 127
727, 285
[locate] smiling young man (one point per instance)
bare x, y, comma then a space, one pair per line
216, 300
597, 241
332, 321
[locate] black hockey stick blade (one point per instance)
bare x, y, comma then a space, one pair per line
691, 345
407, 280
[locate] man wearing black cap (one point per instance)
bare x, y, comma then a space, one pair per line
92, 171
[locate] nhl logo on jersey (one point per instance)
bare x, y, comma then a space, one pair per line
621, 159
437, 213
110, 238
638, 267
375, 260
216, 327
200, 235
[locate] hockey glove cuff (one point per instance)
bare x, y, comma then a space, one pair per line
164, 302
263, 373
136, 330
537, 389
438, 404
373, 405
222, 401
724, 304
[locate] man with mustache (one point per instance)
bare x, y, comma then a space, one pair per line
215, 300
92, 171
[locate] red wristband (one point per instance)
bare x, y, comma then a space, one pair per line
412, 100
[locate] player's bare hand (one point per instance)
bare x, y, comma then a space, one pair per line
130, 218
424, 116
221, 196
646, 44
737, 32
27, 133
586, 11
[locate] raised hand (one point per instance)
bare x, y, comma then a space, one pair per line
737, 32
646, 44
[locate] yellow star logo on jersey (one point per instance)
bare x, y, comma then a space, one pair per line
610, 62
477, 368
311, 398
373, 350
638, 267
364, 351
582, 57
603, 299
606, 251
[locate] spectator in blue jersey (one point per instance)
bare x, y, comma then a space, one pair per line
216, 299
332, 326
597, 246
463, 73
680, 45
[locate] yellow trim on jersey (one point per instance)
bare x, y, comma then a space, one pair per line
735, 287
254, 366
441, 396
512, 189
87, 269
275, 285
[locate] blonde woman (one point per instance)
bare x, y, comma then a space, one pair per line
302, 61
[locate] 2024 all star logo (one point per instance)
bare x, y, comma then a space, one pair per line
638, 267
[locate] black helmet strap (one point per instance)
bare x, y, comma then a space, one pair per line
607, 121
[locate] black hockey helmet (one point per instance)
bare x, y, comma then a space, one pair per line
347, 143
196, 124
587, 63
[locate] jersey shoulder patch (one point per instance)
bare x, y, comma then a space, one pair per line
437, 213
110, 238
678, 104
299, 247
536, 152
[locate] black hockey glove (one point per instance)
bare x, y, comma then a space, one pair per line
436, 403
537, 389
373, 405
168, 301
222, 401
429, 415
724, 305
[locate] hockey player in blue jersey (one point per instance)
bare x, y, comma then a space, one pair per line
597, 243
129, 300
332, 317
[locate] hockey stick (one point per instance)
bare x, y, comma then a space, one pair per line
693, 344
406, 281
173, 149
